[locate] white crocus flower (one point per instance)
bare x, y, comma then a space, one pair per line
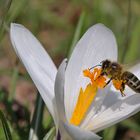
108, 106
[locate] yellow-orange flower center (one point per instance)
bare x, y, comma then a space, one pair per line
87, 96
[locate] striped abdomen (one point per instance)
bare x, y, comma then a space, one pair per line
132, 81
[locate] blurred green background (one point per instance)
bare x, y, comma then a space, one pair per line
59, 25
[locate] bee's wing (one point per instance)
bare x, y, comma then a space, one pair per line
128, 66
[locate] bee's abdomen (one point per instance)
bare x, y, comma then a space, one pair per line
132, 81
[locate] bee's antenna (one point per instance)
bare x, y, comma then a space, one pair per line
95, 66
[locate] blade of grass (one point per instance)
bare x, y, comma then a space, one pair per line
36, 124
77, 33
2, 26
131, 125
109, 133
14, 8
5, 126
50, 135
133, 54
128, 34
71, 44
47, 123
13, 84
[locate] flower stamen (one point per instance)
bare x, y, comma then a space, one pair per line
95, 77
87, 96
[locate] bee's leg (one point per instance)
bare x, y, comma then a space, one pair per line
102, 74
108, 82
122, 89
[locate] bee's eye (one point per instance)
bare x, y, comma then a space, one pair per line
114, 66
105, 66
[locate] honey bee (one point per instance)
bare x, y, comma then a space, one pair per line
114, 71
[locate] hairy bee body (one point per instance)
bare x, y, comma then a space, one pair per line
114, 71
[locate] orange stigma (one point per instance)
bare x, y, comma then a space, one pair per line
95, 77
87, 96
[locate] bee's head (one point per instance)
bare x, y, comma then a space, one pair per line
106, 64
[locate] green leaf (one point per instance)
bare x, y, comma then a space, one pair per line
36, 125
14, 8
77, 33
109, 133
6, 6
5, 126
133, 52
50, 135
131, 125
13, 83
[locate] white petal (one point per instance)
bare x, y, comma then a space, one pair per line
37, 62
59, 91
116, 113
76, 133
97, 44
